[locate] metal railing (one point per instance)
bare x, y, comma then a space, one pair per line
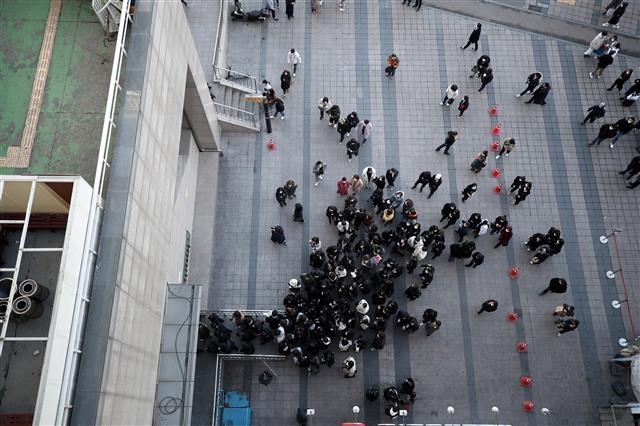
218, 378
235, 78
90, 249
236, 114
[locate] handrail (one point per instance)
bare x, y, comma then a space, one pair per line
235, 113
80, 310
235, 77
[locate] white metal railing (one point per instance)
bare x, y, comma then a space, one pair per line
237, 114
90, 249
101, 8
236, 78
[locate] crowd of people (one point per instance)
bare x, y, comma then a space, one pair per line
347, 301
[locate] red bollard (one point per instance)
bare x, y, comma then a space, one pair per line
528, 406
521, 347
495, 131
514, 272
493, 111
271, 145
495, 146
512, 316
525, 381
496, 172
498, 188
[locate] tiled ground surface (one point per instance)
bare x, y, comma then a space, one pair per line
588, 12
471, 362
70, 123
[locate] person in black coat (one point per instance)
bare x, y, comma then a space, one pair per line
423, 180
481, 65
517, 183
353, 147
603, 62
633, 168
469, 191
556, 285
391, 176
463, 106
532, 81
540, 94
624, 126
434, 184
620, 81
635, 88
617, 14
281, 196
474, 37
488, 306
285, 82
290, 4
448, 141
477, 259
595, 112
485, 78
297, 213
607, 131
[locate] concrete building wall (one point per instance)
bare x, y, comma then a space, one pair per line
149, 208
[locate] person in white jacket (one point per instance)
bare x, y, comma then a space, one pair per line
364, 128
596, 43
324, 105
368, 175
293, 57
449, 95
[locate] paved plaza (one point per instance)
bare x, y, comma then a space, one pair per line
471, 362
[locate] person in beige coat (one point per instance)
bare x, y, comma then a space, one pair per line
596, 43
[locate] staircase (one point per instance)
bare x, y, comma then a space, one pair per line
108, 13
233, 111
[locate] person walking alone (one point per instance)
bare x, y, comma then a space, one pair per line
434, 184
620, 81
285, 82
595, 112
448, 142
353, 146
289, 6
617, 14
488, 306
463, 106
485, 78
504, 237
450, 95
532, 81
556, 285
507, 146
423, 180
607, 131
392, 65
474, 37
318, 171
294, 58
540, 94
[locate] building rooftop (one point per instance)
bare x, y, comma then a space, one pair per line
69, 125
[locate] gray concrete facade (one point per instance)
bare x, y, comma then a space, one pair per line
148, 211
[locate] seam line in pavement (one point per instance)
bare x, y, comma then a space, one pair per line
592, 203
592, 368
370, 359
401, 346
511, 258
255, 196
460, 269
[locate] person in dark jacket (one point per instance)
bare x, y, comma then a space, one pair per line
474, 37
277, 235
353, 146
488, 306
297, 213
633, 168
469, 191
290, 4
624, 126
281, 196
617, 14
434, 184
477, 259
448, 141
352, 121
607, 131
481, 65
595, 112
485, 78
463, 106
532, 81
620, 81
285, 82
566, 325
334, 115
504, 237
540, 94
556, 285
499, 224
518, 182
423, 180
635, 88
603, 62
279, 105
391, 176
343, 128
